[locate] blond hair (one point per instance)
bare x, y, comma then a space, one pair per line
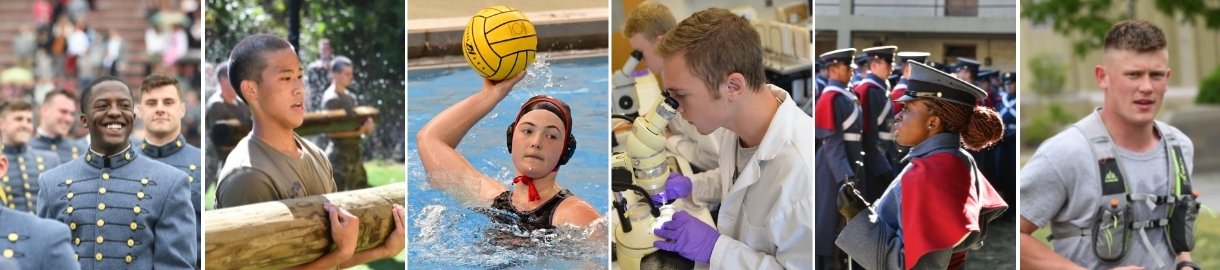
650, 19
717, 43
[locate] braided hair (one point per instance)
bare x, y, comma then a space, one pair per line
978, 126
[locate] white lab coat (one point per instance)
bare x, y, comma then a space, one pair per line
766, 217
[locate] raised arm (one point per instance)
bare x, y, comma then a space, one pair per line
447, 169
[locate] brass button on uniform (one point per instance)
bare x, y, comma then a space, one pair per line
140, 195
98, 257
133, 225
69, 209
144, 181
130, 243
101, 207
69, 195
101, 223
128, 258
101, 190
8, 253
100, 239
72, 226
193, 167
136, 209
12, 237
77, 241
106, 176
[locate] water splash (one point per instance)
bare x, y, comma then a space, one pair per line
461, 237
539, 76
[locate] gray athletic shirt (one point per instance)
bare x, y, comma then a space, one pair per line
1060, 187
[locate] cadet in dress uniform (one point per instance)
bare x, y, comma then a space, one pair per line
55, 118
878, 116
30, 242
861, 69
20, 181
899, 90
124, 210
838, 125
33, 242
938, 208
819, 79
162, 109
1006, 149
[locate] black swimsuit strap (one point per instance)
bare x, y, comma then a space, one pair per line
538, 218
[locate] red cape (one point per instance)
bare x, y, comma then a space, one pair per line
894, 95
862, 92
824, 112
939, 205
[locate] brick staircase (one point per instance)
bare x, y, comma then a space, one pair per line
125, 16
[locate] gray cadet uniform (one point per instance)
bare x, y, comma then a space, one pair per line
34, 243
346, 157
1064, 193
21, 180
124, 211
184, 157
256, 173
65, 148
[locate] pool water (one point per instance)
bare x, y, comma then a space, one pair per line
443, 233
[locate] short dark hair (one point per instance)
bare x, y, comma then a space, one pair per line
56, 92
1135, 35
13, 105
339, 62
158, 80
246, 61
223, 70
88, 90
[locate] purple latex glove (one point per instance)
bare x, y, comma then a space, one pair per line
676, 186
688, 236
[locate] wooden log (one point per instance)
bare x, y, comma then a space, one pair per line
274, 235
315, 123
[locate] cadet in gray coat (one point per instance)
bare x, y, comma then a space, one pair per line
162, 109
55, 118
124, 209
32, 242
20, 181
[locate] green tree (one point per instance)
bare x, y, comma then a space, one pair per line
1088, 20
1051, 74
370, 33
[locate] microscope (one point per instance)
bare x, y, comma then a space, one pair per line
641, 171
624, 87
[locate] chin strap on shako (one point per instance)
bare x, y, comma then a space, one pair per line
1116, 216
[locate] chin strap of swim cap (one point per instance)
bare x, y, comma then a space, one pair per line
528, 182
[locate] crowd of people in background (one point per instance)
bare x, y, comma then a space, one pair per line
68, 44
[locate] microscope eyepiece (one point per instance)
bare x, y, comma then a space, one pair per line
673, 103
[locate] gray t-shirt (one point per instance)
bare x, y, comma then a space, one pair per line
1060, 188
